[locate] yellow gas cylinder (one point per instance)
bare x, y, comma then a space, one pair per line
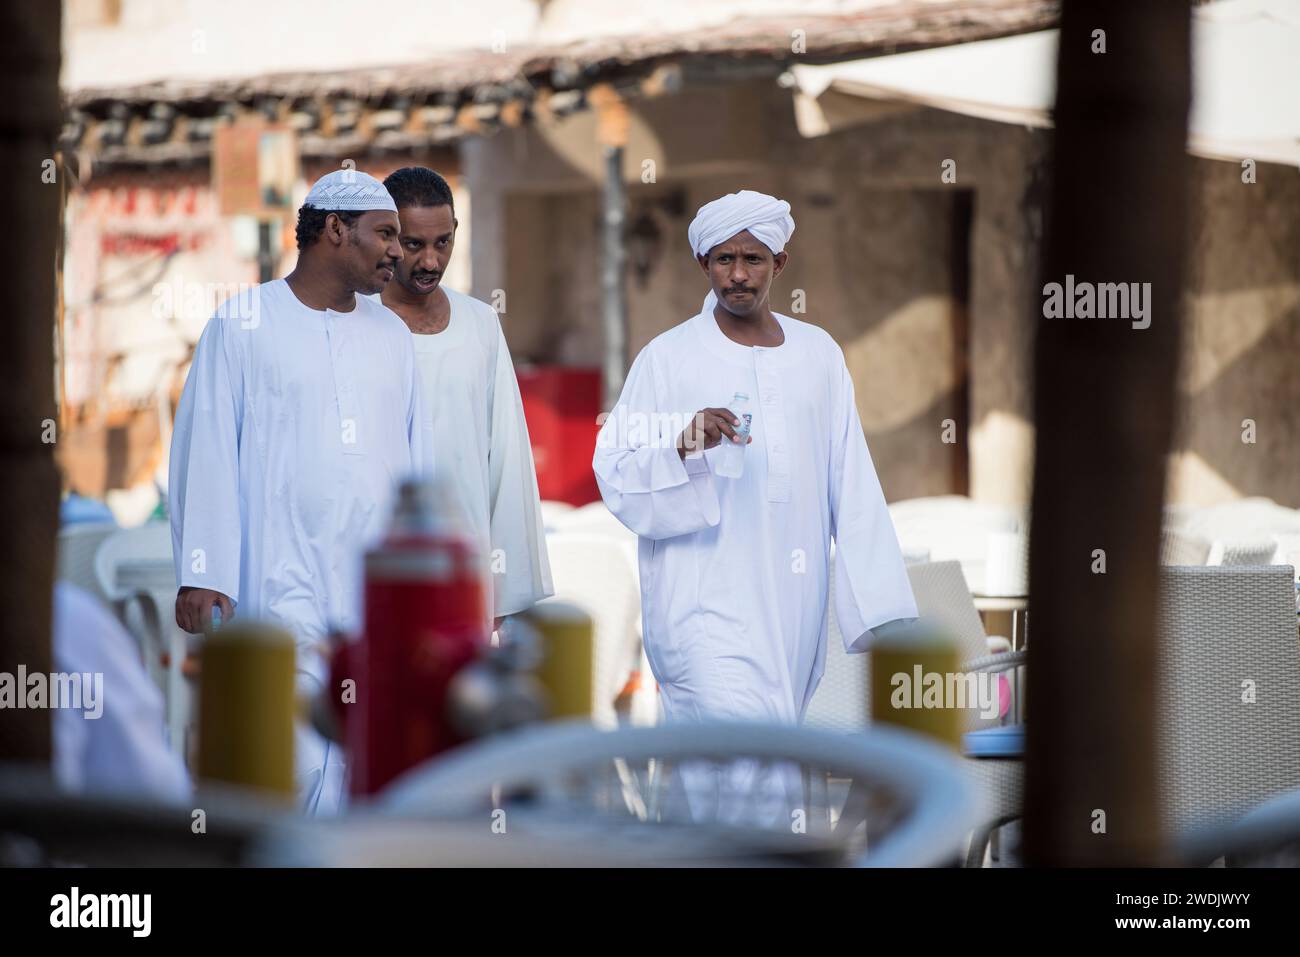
247, 704
914, 670
566, 669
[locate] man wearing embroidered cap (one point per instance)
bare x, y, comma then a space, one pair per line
735, 572
300, 411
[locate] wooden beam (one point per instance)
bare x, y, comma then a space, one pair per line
30, 123
1104, 412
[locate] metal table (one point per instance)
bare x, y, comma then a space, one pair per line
1018, 605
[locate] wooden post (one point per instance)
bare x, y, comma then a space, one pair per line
30, 120
612, 123
1104, 411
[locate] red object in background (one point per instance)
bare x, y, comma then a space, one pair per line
561, 405
425, 619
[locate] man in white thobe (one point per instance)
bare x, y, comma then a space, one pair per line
734, 571
471, 397
300, 414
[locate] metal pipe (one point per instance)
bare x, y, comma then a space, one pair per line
613, 277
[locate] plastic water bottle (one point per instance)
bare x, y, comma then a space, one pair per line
731, 460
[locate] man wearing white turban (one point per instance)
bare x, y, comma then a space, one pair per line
735, 571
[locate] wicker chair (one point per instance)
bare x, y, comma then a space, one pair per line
1257, 551
843, 700
1225, 746
1180, 548
1221, 627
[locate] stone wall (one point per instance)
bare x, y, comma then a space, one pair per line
929, 286
1241, 356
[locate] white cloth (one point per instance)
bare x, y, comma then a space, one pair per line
766, 218
349, 190
734, 571
123, 752
293, 430
473, 406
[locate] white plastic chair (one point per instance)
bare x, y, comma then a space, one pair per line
553, 513
1288, 551
595, 518
1006, 570
593, 572
76, 550
593, 513
150, 542
953, 528
1255, 520
915, 555
135, 572
565, 772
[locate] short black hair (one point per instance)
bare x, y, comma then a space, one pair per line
418, 186
311, 223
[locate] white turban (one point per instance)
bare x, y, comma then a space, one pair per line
349, 190
767, 218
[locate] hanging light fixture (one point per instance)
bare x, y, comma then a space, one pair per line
644, 246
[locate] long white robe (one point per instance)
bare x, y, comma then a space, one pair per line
472, 403
734, 571
123, 752
293, 430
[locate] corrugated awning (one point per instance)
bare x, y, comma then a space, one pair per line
1246, 84
470, 92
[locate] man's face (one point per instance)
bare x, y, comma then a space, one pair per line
741, 271
428, 236
369, 250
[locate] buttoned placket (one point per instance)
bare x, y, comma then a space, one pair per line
772, 408
350, 434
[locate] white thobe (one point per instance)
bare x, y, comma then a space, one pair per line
293, 430
734, 571
473, 406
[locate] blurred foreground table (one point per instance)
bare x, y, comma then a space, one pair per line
41, 826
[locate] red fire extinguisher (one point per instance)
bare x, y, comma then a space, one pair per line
425, 619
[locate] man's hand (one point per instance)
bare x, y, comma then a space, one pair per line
194, 608
706, 430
